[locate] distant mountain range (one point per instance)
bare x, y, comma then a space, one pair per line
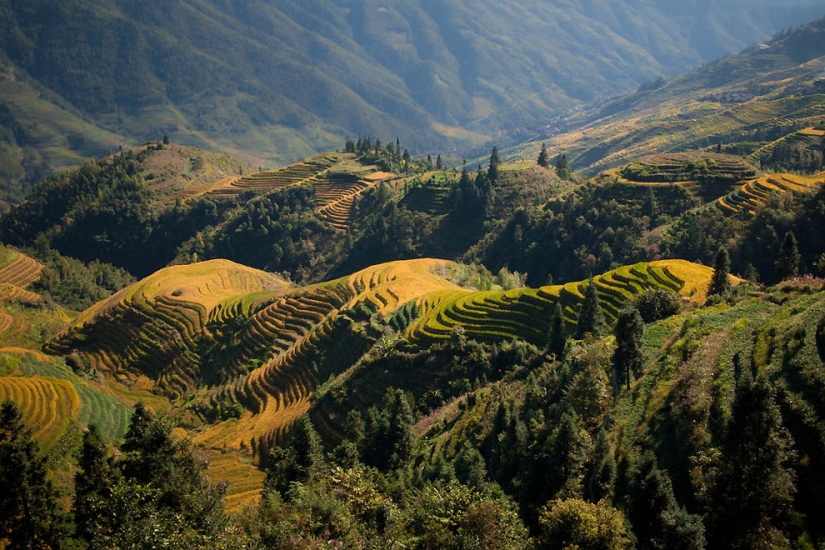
275, 80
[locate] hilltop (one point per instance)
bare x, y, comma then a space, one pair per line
275, 82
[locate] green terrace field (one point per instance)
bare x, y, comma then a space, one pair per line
705, 176
755, 193
525, 313
151, 326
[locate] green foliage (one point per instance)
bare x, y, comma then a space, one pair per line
76, 285
787, 262
543, 159
720, 281
301, 461
557, 337
655, 304
755, 486
657, 520
591, 317
574, 523
30, 516
628, 358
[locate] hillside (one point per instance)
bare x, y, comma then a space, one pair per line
273, 82
763, 94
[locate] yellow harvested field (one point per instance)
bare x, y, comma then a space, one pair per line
393, 284
379, 176
205, 284
245, 480
273, 420
696, 277
21, 271
22, 352
48, 405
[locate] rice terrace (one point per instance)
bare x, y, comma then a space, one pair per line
339, 275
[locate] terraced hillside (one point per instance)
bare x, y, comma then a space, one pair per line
525, 313
18, 269
151, 326
272, 180
803, 148
772, 86
308, 336
248, 352
755, 193
706, 176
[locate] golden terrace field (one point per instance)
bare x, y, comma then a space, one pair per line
755, 193
276, 344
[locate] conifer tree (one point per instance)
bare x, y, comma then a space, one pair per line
720, 281
602, 482
755, 486
492, 171
439, 164
309, 456
787, 263
562, 166
628, 358
401, 436
544, 158
591, 318
557, 338
30, 516
93, 485
658, 520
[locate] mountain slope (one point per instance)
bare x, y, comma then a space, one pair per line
278, 80
764, 93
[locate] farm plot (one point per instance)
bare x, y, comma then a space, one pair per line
49, 405
755, 193
272, 180
525, 313
245, 480
20, 272
385, 287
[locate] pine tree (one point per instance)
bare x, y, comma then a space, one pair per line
439, 164
557, 338
309, 456
401, 435
755, 485
602, 483
562, 166
30, 515
628, 358
492, 171
544, 158
93, 485
787, 263
658, 520
591, 318
720, 281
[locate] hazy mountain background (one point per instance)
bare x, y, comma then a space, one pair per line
275, 80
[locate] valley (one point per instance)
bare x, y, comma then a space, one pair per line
618, 342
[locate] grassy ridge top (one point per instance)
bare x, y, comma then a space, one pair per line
206, 284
